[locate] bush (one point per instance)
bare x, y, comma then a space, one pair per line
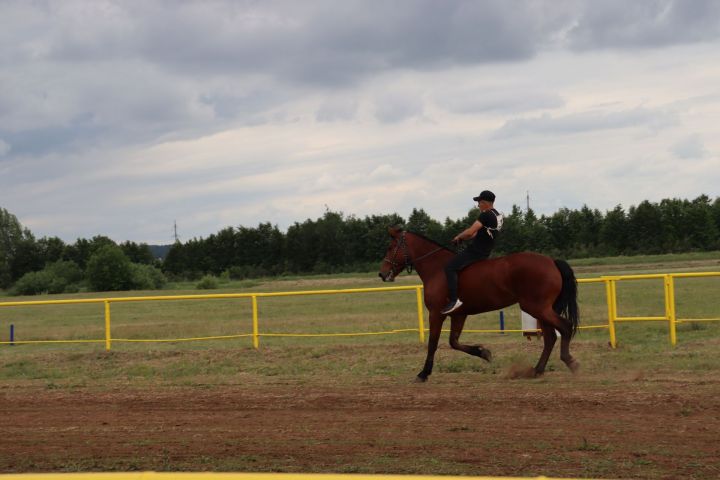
57, 285
57, 277
147, 277
72, 288
208, 282
236, 272
109, 270
66, 270
33, 283
63, 274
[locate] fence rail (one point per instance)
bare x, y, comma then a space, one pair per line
670, 315
610, 283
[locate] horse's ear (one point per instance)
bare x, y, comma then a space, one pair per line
394, 231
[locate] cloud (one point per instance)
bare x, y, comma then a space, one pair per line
396, 107
691, 147
321, 41
585, 122
494, 100
222, 112
4, 148
78, 73
644, 24
337, 109
386, 172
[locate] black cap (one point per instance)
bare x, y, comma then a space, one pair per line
486, 195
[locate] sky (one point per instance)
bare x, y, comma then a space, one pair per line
120, 118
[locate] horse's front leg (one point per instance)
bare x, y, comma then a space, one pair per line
456, 328
436, 322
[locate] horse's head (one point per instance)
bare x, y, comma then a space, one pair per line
396, 256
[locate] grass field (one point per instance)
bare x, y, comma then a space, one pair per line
306, 315
348, 375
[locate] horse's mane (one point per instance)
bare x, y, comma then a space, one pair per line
438, 244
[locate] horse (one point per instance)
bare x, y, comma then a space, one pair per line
544, 288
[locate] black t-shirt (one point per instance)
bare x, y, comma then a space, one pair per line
485, 239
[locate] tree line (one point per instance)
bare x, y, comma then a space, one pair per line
30, 266
336, 243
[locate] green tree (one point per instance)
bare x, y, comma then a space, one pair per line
27, 257
452, 227
561, 236
376, 237
16, 246
271, 249
513, 235
534, 232
330, 243
646, 229
81, 251
715, 209
175, 262
137, 253
420, 222
146, 277
700, 224
108, 269
52, 249
614, 232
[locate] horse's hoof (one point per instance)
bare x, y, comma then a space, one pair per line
574, 366
420, 379
481, 352
486, 354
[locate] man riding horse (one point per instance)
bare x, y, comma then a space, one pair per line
544, 287
483, 232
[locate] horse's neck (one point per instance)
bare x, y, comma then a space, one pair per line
429, 259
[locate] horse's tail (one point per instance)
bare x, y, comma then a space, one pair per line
566, 302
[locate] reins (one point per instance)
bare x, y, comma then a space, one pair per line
408, 265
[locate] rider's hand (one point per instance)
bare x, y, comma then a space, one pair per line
457, 241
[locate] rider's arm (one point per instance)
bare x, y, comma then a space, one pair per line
469, 232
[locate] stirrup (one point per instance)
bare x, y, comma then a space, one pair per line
451, 307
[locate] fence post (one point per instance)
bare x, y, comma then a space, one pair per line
421, 319
108, 340
670, 308
256, 337
612, 309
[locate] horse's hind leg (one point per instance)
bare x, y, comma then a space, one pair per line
456, 327
565, 356
549, 338
550, 321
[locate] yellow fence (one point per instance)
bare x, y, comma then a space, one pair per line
255, 324
670, 315
609, 281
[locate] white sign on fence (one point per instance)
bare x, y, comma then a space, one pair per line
530, 325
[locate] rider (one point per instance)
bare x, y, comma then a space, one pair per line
483, 231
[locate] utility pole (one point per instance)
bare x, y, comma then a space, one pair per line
175, 235
528, 200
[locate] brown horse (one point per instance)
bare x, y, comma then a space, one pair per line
544, 288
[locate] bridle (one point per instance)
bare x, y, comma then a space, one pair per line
408, 263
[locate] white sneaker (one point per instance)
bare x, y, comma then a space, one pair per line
451, 307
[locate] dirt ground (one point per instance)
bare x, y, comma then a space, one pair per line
663, 429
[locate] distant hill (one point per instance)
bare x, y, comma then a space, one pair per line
159, 251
